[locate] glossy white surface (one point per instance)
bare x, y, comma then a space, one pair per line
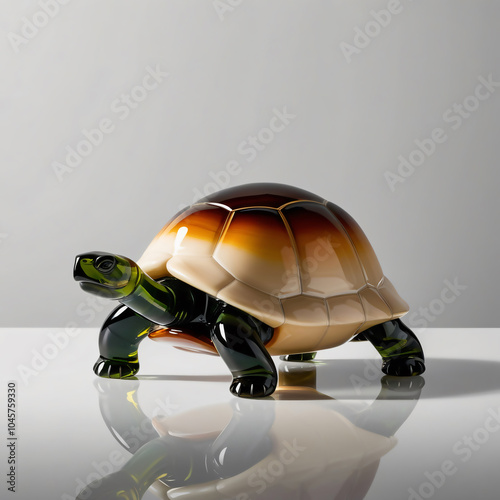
453, 428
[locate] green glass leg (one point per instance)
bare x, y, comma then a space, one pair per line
237, 338
119, 341
170, 459
400, 349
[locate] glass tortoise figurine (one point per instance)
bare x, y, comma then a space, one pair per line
250, 272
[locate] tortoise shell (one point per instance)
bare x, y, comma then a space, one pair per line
293, 260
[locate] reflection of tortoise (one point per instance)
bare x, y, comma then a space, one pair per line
308, 446
249, 272
220, 452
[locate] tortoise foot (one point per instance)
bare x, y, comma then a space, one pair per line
306, 356
403, 367
252, 386
113, 368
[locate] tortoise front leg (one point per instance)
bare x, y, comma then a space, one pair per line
237, 337
119, 340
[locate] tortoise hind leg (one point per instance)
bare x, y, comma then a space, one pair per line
237, 337
305, 356
400, 349
119, 340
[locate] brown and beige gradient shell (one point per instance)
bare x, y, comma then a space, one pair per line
295, 261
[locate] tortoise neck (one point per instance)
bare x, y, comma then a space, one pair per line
161, 304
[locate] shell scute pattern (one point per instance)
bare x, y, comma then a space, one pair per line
295, 261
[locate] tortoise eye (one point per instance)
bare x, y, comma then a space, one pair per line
105, 264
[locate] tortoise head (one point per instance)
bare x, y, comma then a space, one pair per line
106, 275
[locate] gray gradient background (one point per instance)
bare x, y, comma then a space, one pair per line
226, 76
